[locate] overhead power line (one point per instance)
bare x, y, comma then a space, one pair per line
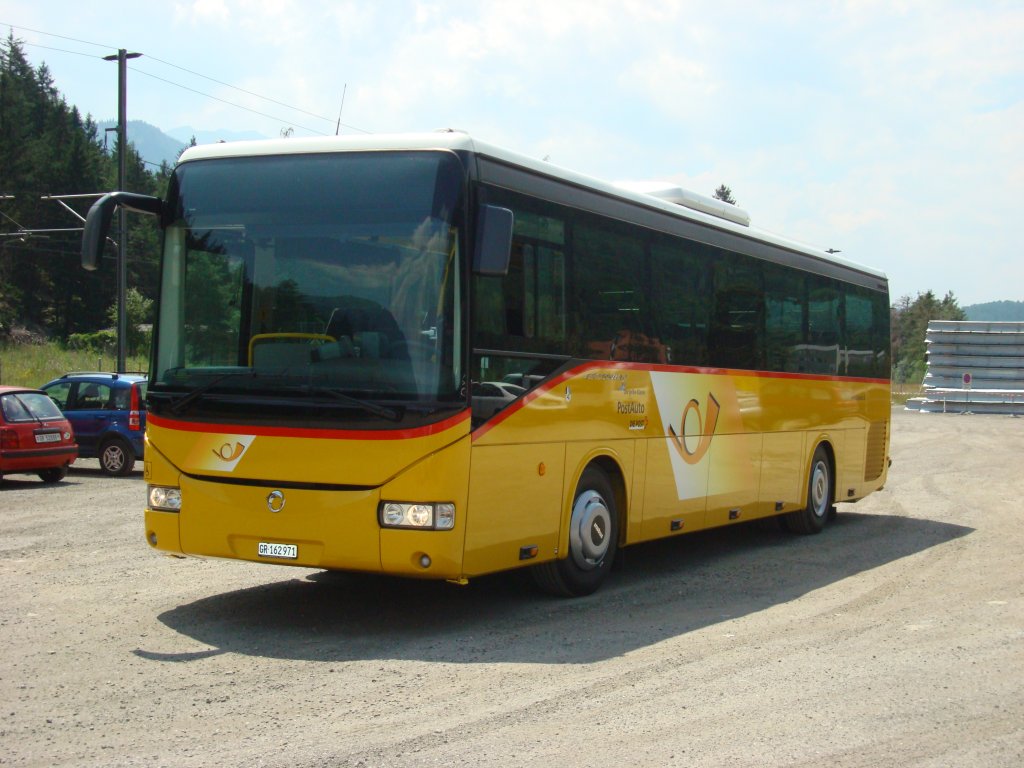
63, 50
243, 90
300, 110
224, 101
54, 34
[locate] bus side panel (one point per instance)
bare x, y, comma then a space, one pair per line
708, 461
666, 509
631, 523
734, 476
783, 460
515, 501
850, 472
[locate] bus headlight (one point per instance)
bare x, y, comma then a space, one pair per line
163, 498
438, 517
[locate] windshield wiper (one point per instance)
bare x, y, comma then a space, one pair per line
377, 410
179, 404
30, 412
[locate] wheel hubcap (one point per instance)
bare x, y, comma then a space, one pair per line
819, 489
590, 529
113, 458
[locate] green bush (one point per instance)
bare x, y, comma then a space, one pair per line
100, 341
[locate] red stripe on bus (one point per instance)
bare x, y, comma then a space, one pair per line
324, 434
573, 373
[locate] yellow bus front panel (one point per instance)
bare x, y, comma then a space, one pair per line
259, 504
328, 528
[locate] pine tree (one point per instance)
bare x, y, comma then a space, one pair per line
46, 148
724, 194
909, 324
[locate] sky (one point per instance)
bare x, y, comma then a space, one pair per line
890, 130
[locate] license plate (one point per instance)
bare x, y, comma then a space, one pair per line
48, 437
284, 551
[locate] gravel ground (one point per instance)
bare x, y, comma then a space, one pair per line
894, 638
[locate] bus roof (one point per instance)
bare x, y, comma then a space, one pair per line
673, 201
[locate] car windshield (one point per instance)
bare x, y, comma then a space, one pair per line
301, 275
29, 406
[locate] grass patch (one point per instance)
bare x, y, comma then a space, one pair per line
32, 365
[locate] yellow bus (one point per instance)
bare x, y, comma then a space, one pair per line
427, 356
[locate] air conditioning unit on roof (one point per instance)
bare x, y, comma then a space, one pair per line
673, 193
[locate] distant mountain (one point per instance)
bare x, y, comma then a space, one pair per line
152, 144
156, 146
996, 311
186, 132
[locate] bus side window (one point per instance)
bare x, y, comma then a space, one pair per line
525, 310
609, 273
785, 296
823, 317
737, 323
680, 300
860, 353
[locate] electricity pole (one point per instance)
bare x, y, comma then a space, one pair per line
122, 165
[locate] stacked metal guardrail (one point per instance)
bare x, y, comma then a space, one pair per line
973, 367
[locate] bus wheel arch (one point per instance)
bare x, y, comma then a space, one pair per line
594, 533
613, 472
821, 492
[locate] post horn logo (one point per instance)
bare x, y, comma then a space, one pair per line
229, 453
705, 429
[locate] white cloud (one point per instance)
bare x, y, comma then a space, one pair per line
202, 12
888, 129
680, 87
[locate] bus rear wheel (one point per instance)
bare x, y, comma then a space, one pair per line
593, 541
820, 485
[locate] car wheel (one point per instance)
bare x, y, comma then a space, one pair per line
593, 540
116, 458
54, 475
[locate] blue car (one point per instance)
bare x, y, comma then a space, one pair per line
108, 413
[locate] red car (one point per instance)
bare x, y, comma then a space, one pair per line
35, 437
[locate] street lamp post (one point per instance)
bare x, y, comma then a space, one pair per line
122, 165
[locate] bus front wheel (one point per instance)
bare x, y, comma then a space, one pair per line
820, 484
593, 540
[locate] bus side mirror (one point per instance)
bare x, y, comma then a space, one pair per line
97, 221
493, 241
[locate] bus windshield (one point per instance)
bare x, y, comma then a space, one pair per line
332, 275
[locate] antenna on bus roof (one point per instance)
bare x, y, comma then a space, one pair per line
337, 128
